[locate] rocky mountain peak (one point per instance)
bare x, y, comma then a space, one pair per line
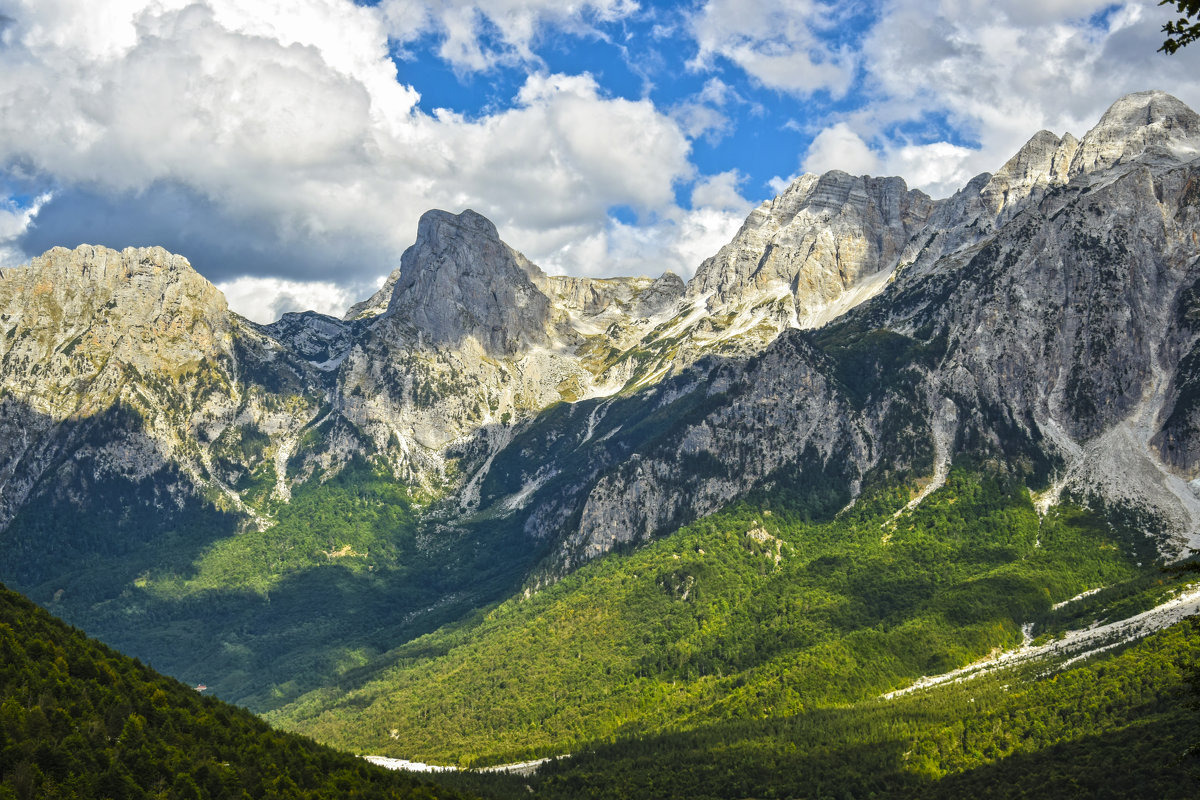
813, 243
1134, 124
1043, 161
145, 306
459, 281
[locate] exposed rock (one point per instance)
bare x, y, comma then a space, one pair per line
1134, 124
1053, 318
621, 297
803, 251
318, 338
1043, 311
460, 281
1042, 162
377, 303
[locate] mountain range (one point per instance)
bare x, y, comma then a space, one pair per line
307, 514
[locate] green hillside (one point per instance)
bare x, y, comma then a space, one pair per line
338, 578
754, 613
78, 720
1119, 726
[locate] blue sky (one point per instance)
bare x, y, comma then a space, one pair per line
288, 147
646, 55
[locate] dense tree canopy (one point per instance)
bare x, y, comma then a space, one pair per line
79, 720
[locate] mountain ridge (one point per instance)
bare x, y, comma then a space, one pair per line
854, 335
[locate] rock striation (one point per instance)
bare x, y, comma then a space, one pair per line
459, 280
1046, 312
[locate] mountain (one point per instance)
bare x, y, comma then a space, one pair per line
1051, 330
81, 720
892, 430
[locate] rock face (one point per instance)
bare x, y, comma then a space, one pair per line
853, 327
1043, 162
92, 332
315, 337
1138, 124
1048, 319
89, 313
459, 280
476, 339
812, 245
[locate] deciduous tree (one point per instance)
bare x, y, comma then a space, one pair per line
1184, 30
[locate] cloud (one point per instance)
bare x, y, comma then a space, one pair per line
267, 299
220, 243
15, 220
478, 36
998, 72
838, 147
274, 140
683, 240
776, 42
720, 192
705, 113
679, 244
938, 168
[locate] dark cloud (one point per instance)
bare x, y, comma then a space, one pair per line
220, 246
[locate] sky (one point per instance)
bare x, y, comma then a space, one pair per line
287, 148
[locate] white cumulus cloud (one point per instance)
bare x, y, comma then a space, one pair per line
839, 147
275, 140
776, 42
267, 299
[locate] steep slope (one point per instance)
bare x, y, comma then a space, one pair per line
80, 720
312, 493
1054, 342
811, 246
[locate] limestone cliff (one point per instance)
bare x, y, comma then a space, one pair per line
1045, 312
1043, 315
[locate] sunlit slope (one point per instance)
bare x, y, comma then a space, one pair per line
755, 612
1122, 725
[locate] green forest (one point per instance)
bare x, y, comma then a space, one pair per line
754, 613
78, 720
258, 615
1119, 726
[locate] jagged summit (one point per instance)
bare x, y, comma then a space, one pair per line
811, 245
1043, 161
1134, 124
458, 281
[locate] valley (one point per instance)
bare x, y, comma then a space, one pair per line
890, 496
